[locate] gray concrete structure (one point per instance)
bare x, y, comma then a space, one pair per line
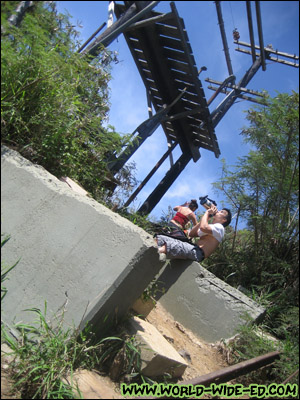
79, 256
202, 302
158, 356
73, 251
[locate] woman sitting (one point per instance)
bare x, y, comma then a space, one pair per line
185, 214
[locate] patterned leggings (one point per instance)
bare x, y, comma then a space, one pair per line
178, 249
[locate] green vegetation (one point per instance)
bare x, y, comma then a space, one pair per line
55, 102
264, 189
253, 341
46, 356
152, 290
42, 357
54, 109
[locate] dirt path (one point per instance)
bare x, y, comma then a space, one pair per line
202, 357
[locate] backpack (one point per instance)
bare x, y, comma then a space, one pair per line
176, 234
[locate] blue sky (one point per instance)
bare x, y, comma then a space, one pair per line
280, 20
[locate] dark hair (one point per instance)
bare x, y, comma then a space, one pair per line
193, 204
228, 217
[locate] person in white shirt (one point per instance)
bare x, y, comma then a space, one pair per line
210, 236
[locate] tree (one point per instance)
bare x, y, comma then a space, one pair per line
55, 102
274, 131
264, 188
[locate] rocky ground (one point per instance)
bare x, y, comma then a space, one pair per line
202, 357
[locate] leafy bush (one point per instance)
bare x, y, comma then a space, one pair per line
54, 100
253, 341
264, 258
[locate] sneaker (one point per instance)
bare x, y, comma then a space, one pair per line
162, 257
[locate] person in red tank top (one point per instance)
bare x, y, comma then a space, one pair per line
185, 213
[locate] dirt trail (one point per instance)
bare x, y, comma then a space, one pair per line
202, 357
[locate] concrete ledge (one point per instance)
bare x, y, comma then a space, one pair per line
201, 302
158, 356
74, 251
92, 385
143, 307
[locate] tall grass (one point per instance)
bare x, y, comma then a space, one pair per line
54, 101
45, 355
253, 341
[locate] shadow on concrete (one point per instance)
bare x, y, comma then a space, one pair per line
171, 273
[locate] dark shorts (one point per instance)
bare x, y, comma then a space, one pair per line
178, 249
172, 225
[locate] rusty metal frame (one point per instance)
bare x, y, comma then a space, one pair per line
228, 373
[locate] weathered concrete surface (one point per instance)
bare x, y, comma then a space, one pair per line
92, 385
203, 303
158, 356
71, 249
143, 307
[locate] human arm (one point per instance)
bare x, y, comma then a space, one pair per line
177, 208
192, 217
203, 224
186, 204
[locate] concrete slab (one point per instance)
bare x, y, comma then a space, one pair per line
74, 252
73, 185
143, 307
158, 356
92, 385
201, 302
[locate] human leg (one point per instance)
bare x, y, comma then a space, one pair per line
175, 248
163, 249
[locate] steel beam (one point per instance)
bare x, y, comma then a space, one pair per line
225, 83
149, 176
143, 132
280, 61
270, 50
236, 87
110, 34
260, 36
251, 34
240, 96
164, 184
231, 372
149, 21
91, 37
224, 106
224, 39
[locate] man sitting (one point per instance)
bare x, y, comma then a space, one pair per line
210, 234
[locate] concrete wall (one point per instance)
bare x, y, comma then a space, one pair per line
71, 249
203, 303
75, 252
